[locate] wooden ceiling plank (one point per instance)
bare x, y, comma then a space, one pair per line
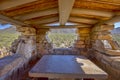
113, 20
37, 14
111, 2
83, 20
43, 21
12, 3
30, 7
65, 7
90, 4
91, 12
11, 21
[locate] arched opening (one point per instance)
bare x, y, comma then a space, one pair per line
116, 32
62, 38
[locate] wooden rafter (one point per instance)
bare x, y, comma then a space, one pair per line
43, 21
11, 21
95, 5
113, 20
83, 20
92, 12
31, 7
6, 4
37, 14
42, 18
65, 7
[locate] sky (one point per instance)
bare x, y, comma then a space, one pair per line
8, 25
4, 26
117, 24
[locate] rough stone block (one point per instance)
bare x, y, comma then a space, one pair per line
83, 30
113, 52
84, 35
27, 30
82, 38
106, 27
114, 45
79, 46
99, 46
116, 63
9, 66
105, 37
103, 27
79, 42
98, 56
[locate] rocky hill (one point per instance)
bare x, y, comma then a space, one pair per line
7, 36
11, 30
116, 31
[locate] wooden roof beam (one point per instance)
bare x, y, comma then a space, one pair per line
11, 21
83, 20
12, 3
61, 26
92, 12
43, 21
113, 20
65, 7
37, 14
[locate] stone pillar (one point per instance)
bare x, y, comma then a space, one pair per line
43, 46
104, 57
26, 43
83, 41
83, 38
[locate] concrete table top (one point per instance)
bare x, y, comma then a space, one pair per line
66, 66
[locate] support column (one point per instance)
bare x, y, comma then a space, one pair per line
26, 43
43, 46
83, 41
83, 38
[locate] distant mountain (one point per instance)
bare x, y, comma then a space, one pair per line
116, 31
7, 36
11, 30
63, 30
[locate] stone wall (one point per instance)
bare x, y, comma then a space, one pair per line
24, 49
34, 43
83, 41
108, 58
65, 51
13, 67
43, 45
27, 42
110, 64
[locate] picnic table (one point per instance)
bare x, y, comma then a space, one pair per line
66, 67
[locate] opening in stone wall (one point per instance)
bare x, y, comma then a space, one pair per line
116, 32
8, 34
62, 38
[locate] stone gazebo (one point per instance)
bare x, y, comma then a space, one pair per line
93, 19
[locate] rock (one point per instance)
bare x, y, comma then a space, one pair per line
113, 52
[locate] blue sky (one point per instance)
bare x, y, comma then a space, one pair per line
117, 24
4, 26
8, 25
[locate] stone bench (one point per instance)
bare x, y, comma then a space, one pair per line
11, 66
109, 63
